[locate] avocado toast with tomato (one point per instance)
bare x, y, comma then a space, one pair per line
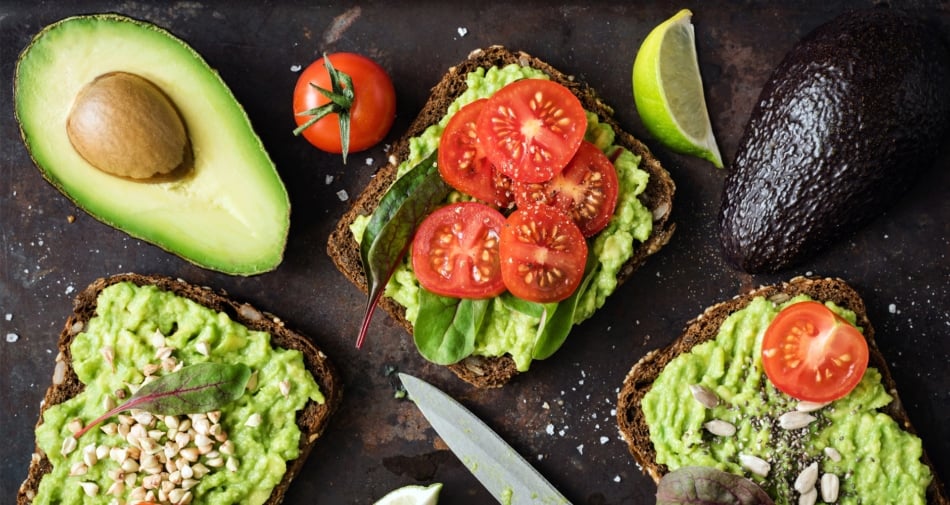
489, 339
740, 392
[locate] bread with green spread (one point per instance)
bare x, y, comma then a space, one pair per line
343, 248
235, 327
858, 454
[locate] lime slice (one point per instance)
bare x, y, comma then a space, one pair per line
668, 90
412, 495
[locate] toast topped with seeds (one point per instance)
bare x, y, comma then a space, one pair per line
708, 391
130, 328
463, 83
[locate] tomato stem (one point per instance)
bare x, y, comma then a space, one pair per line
341, 101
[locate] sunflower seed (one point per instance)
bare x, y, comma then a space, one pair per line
806, 406
829, 487
809, 498
755, 464
90, 488
705, 396
720, 428
833, 453
795, 420
807, 478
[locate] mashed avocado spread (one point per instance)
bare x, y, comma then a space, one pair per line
133, 331
874, 460
508, 330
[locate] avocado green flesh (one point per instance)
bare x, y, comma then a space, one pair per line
507, 331
880, 462
230, 213
134, 322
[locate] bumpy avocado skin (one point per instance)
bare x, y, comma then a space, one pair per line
843, 126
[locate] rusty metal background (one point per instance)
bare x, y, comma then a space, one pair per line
559, 415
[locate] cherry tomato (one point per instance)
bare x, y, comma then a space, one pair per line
462, 160
543, 254
455, 251
531, 128
812, 354
371, 113
586, 189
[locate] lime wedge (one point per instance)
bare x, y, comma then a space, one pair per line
668, 90
412, 495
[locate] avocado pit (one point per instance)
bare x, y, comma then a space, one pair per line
124, 125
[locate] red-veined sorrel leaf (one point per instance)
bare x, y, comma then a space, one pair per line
194, 389
700, 485
389, 231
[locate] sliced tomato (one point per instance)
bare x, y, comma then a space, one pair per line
586, 189
462, 161
531, 128
543, 254
810, 353
455, 251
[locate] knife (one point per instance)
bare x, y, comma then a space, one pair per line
503, 472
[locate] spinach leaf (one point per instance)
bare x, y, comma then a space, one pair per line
701, 485
516, 304
389, 231
194, 389
446, 327
559, 321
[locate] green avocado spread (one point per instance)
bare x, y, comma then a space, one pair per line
506, 329
138, 329
874, 460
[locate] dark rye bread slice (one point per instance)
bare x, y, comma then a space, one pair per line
630, 419
658, 197
312, 420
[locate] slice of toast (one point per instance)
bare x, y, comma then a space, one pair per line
312, 420
630, 416
658, 197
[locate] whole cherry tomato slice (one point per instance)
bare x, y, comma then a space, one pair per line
371, 113
586, 189
810, 353
462, 160
455, 251
531, 128
543, 254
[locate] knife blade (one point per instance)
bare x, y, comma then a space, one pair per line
503, 472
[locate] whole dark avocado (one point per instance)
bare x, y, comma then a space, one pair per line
843, 126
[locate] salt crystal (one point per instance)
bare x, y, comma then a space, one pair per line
580, 448
70, 289
12, 337
604, 440
617, 478
892, 308
8, 317
328, 179
462, 31
342, 195
549, 429
369, 161
295, 68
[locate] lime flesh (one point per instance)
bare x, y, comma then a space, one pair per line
412, 495
668, 90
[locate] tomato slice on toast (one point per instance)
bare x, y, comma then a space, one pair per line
811, 353
543, 254
462, 161
455, 251
586, 189
531, 128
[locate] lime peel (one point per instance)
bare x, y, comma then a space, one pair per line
668, 89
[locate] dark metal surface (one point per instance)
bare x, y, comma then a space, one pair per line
560, 414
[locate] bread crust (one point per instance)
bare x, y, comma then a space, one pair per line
490, 372
312, 420
639, 379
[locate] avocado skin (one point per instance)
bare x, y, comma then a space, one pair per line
846, 122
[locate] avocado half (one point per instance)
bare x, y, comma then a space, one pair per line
228, 212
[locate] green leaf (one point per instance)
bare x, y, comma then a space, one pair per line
446, 327
194, 389
699, 485
389, 231
533, 309
555, 328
